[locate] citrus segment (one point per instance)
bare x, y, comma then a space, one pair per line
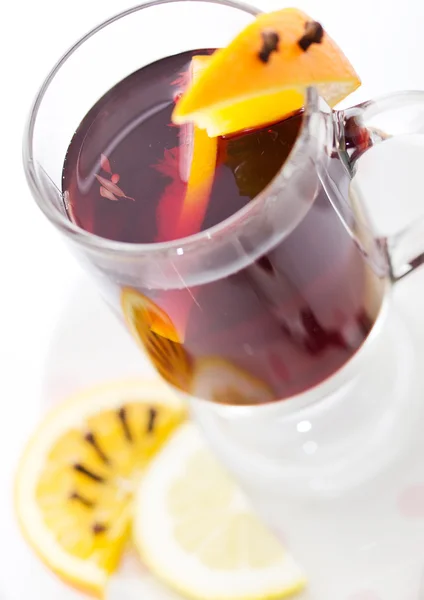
138, 307
239, 90
155, 333
195, 529
75, 482
201, 152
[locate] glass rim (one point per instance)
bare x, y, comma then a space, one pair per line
95, 242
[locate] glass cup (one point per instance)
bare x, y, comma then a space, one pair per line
276, 322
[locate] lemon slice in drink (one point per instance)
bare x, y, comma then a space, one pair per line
75, 481
195, 529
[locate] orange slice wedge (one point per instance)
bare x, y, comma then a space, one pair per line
76, 478
142, 313
263, 74
200, 158
154, 331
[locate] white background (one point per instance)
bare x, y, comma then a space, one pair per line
384, 40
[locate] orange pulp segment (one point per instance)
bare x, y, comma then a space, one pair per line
201, 160
75, 481
237, 90
141, 313
154, 331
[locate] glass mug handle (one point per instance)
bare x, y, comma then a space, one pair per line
381, 143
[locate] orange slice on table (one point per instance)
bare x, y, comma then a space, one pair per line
200, 152
239, 90
77, 476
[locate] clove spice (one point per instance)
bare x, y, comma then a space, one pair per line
270, 44
314, 33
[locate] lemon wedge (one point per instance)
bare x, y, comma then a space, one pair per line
196, 531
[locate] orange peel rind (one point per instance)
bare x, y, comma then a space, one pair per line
237, 90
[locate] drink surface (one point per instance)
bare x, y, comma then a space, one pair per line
267, 331
131, 127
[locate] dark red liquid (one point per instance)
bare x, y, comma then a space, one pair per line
267, 331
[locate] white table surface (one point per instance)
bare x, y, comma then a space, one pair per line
384, 41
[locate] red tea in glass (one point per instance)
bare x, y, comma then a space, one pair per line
283, 323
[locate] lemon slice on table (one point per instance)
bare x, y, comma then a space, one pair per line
195, 529
75, 481
261, 76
